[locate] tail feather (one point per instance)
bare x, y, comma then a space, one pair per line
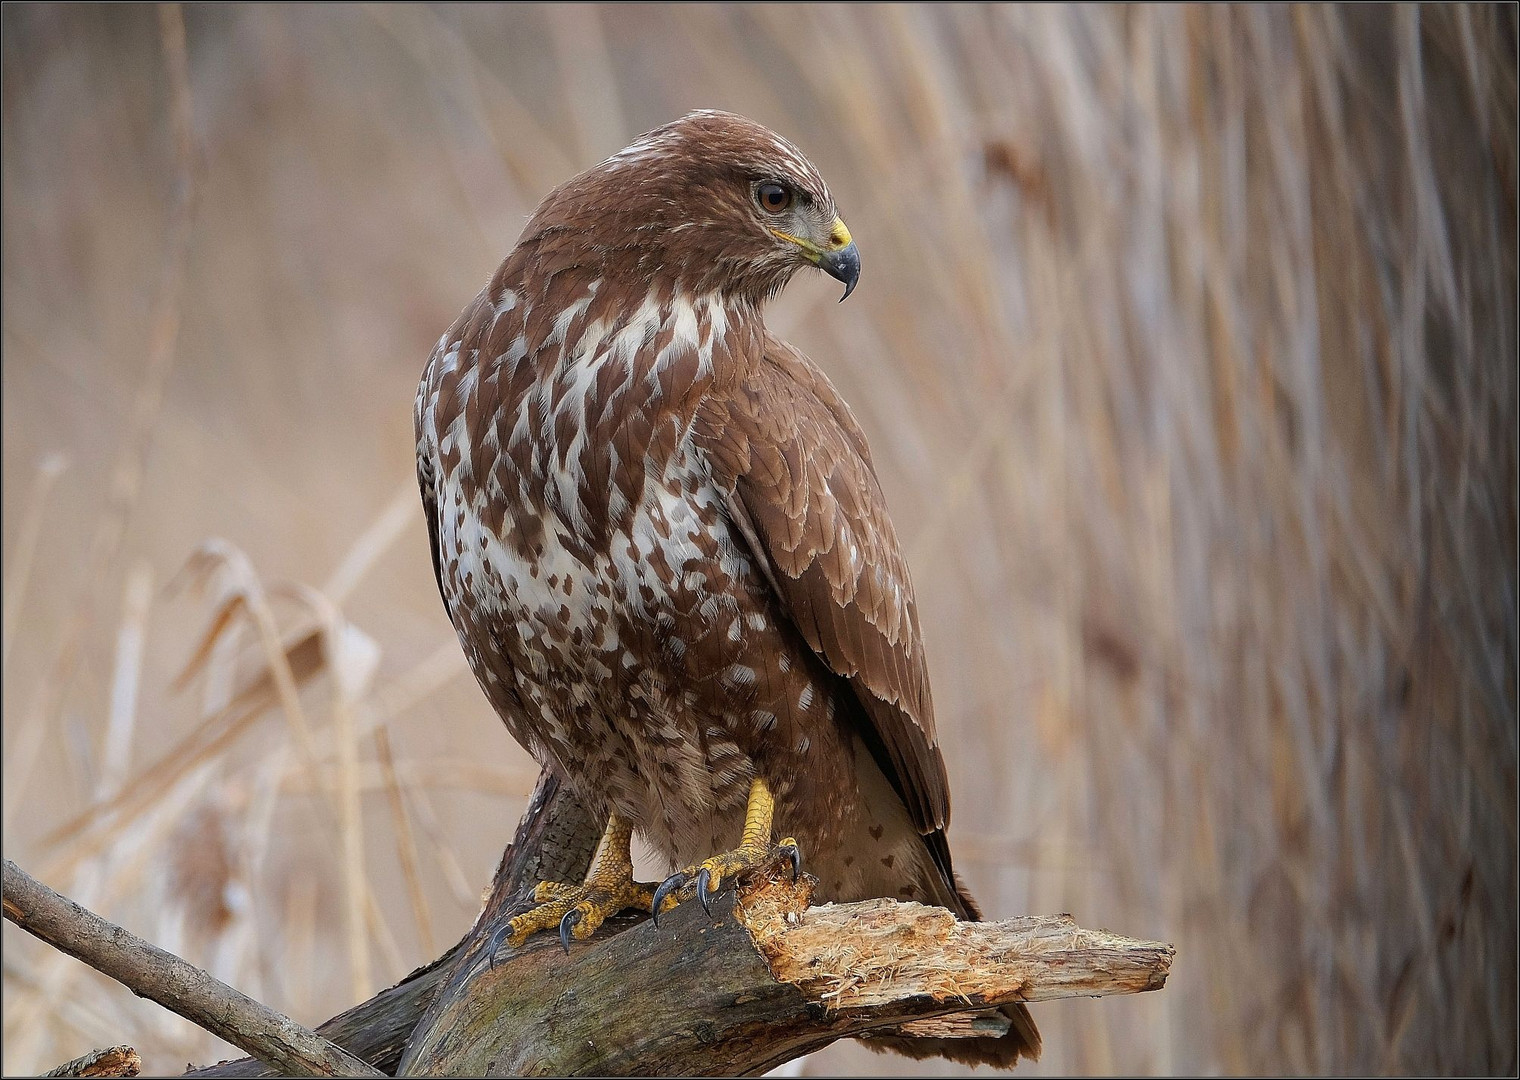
1000, 1037
1021, 1042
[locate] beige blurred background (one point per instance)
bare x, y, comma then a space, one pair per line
1186, 345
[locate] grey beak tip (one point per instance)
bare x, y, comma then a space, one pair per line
843, 265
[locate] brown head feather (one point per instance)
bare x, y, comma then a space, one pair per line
676, 205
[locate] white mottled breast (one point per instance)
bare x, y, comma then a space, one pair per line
500, 579
555, 588
550, 620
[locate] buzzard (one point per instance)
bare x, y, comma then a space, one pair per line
658, 533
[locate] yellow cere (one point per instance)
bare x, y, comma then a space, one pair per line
808, 247
839, 239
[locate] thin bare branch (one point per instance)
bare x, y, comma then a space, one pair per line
150, 972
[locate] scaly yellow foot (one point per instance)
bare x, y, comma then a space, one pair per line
579, 909
755, 851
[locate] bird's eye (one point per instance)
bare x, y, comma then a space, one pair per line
773, 197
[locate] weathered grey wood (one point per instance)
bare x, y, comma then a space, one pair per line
375, 1030
555, 841
150, 972
112, 1061
765, 980
677, 999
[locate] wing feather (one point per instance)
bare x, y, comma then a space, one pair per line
426, 481
800, 488
430, 512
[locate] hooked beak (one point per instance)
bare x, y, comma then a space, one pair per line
840, 258
844, 265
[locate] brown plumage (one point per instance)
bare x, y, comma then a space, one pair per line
659, 535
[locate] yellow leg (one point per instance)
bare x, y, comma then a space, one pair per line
579, 909
754, 852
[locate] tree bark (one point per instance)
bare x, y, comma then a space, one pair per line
764, 979
112, 1061
150, 972
555, 841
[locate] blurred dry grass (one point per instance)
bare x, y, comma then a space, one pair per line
1186, 344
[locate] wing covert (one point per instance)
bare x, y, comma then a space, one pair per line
800, 487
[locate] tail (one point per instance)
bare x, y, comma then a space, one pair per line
997, 1037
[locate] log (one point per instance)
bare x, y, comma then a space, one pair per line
767, 977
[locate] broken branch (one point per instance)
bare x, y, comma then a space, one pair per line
764, 980
150, 972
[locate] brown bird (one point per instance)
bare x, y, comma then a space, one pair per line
659, 535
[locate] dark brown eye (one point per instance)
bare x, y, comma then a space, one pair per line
773, 197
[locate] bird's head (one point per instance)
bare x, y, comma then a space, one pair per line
713, 201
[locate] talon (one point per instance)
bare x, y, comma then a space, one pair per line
496, 940
703, 879
794, 856
569, 922
668, 886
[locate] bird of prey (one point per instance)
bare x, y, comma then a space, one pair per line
659, 535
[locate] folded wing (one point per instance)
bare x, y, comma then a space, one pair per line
799, 484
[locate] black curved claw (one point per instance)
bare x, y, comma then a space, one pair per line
794, 854
668, 886
702, 894
502, 932
568, 923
